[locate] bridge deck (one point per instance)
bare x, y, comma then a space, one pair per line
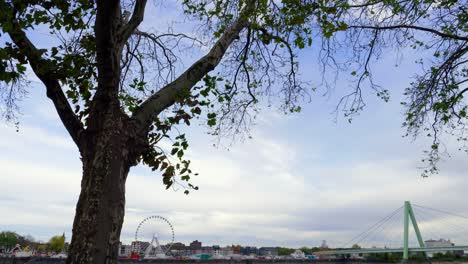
391, 250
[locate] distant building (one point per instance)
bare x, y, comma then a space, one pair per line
324, 245
249, 251
225, 251
438, 243
216, 250
207, 250
125, 250
195, 247
178, 246
179, 249
431, 243
139, 247
236, 249
268, 251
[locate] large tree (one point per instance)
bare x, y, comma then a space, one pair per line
119, 89
8, 240
57, 243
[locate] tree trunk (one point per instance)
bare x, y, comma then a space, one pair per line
105, 153
107, 158
100, 209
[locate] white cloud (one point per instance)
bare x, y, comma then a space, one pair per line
29, 136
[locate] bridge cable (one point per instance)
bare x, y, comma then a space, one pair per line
455, 227
376, 225
389, 233
440, 211
443, 218
431, 223
375, 233
372, 241
424, 220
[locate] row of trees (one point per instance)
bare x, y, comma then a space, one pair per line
9, 240
284, 251
450, 256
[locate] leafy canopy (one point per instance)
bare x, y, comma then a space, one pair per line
8, 239
57, 244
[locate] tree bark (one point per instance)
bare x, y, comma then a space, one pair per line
108, 152
101, 206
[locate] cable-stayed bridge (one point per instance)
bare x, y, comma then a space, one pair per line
443, 232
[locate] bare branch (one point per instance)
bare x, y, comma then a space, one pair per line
431, 30
165, 97
288, 46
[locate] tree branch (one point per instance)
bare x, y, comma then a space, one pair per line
279, 39
135, 20
433, 31
167, 96
370, 3
45, 72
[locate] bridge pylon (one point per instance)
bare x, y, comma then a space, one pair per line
409, 215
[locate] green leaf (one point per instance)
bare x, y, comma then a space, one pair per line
180, 154
185, 178
211, 122
174, 151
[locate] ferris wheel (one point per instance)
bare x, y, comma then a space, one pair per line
159, 232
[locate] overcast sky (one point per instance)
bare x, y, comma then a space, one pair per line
300, 179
